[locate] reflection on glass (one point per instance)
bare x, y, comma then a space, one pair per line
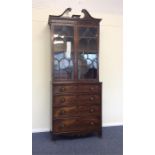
62, 31
92, 44
64, 63
63, 67
56, 64
63, 46
87, 44
87, 38
68, 49
88, 32
87, 66
59, 44
83, 43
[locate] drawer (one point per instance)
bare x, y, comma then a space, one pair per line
76, 111
76, 88
76, 124
89, 110
89, 88
64, 100
69, 100
89, 99
64, 89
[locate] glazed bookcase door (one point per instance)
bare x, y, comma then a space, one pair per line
63, 46
87, 53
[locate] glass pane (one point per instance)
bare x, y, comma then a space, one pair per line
87, 65
88, 32
63, 52
63, 31
83, 44
92, 44
87, 38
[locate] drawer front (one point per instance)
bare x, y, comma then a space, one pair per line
88, 99
76, 88
89, 88
76, 124
76, 111
64, 100
64, 89
69, 100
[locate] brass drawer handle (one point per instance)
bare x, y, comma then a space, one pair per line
62, 89
62, 112
63, 99
92, 110
91, 88
92, 123
91, 98
62, 125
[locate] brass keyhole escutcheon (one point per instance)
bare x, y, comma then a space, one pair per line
62, 125
92, 123
62, 112
92, 110
63, 99
91, 88
91, 98
62, 89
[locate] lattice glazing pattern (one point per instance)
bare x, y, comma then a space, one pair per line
87, 66
63, 67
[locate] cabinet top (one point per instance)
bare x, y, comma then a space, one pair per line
64, 16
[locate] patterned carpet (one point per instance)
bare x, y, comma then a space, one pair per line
111, 143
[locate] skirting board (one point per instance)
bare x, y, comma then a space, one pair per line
112, 124
104, 125
40, 130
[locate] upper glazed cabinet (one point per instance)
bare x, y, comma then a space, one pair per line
75, 46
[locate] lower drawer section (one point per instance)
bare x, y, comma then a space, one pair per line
76, 124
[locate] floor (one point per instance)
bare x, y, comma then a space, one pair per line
111, 143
